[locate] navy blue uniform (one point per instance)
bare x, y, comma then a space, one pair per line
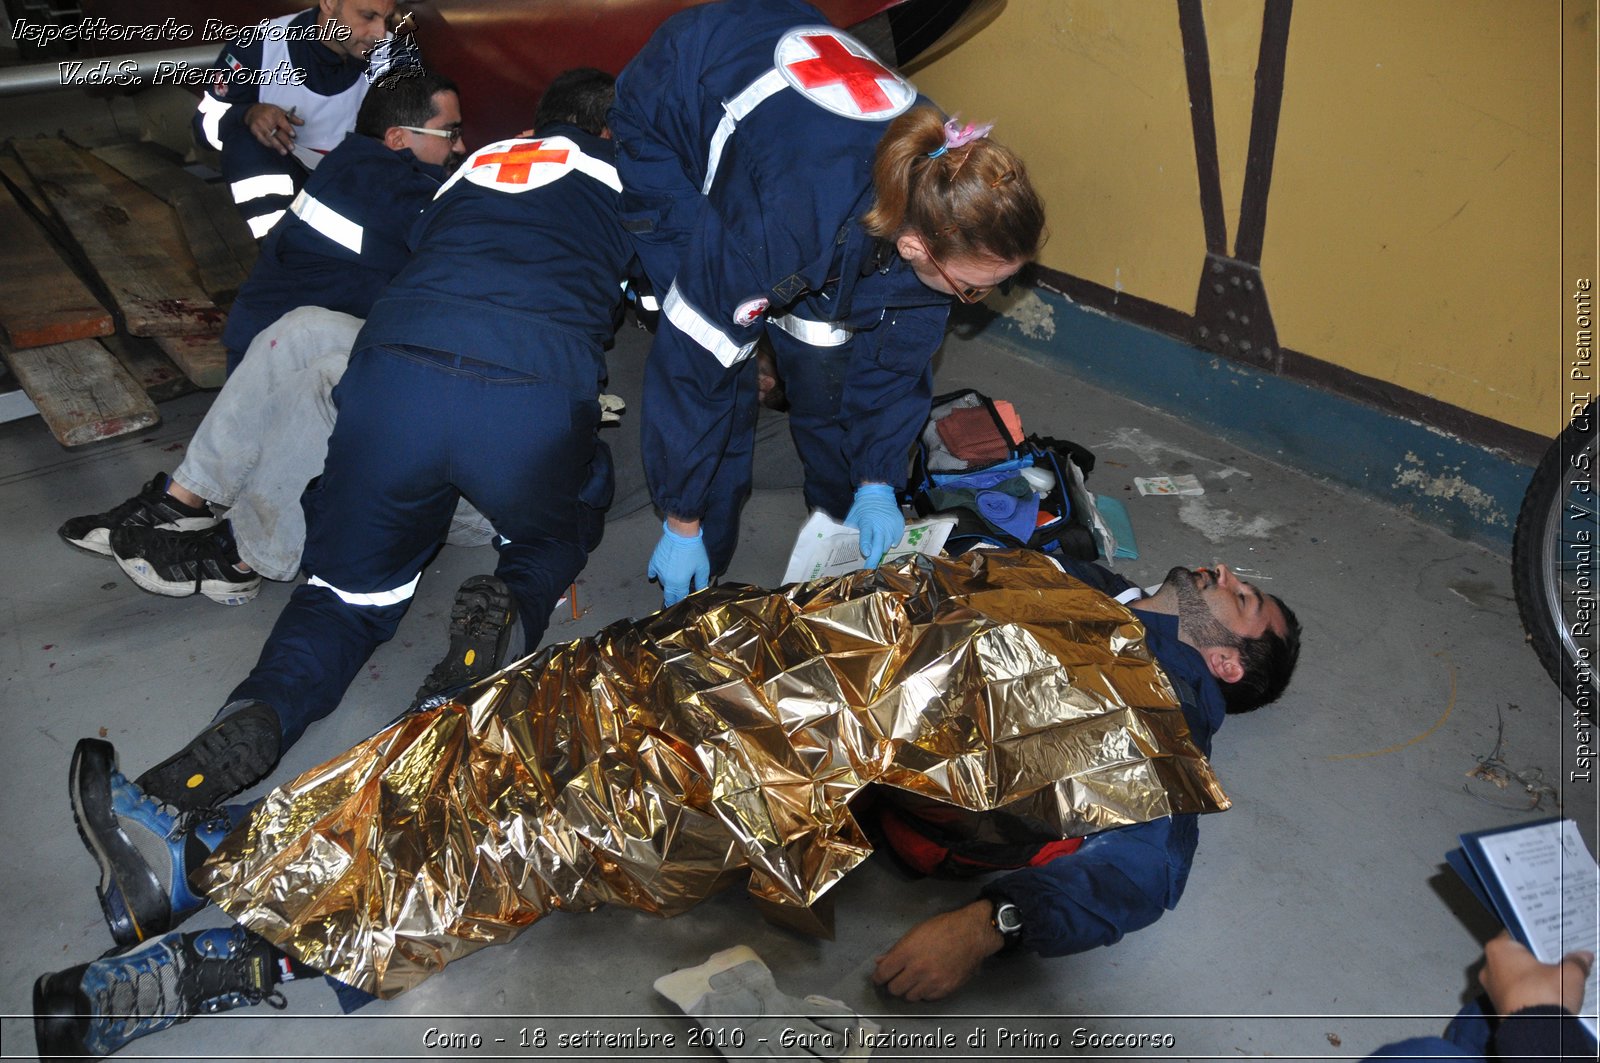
746, 133
342, 242
478, 374
1121, 879
327, 99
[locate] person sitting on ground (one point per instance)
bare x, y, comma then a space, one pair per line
1227, 648
1531, 1014
1224, 646
273, 128
265, 435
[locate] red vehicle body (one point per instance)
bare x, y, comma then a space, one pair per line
504, 52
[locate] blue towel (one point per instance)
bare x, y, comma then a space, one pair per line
1016, 516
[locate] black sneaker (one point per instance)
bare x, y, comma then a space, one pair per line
152, 507
232, 755
94, 1009
480, 628
180, 563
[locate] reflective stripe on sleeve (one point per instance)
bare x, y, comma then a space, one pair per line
377, 598
816, 333
734, 112
262, 224
327, 221
693, 324
211, 112
264, 184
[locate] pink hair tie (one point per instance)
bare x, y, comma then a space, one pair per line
955, 135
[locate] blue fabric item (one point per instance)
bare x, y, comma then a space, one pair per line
530, 280
985, 477
680, 564
877, 517
1015, 515
776, 234
376, 189
1122, 879
349, 997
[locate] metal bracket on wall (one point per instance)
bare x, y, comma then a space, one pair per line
1231, 315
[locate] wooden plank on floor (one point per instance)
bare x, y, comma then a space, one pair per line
216, 235
203, 359
145, 279
41, 300
149, 366
82, 392
144, 165
17, 178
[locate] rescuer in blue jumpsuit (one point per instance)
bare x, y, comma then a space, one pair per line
477, 373
340, 244
284, 93
779, 180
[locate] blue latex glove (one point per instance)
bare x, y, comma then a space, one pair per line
879, 520
680, 564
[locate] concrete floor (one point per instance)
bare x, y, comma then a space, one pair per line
1319, 921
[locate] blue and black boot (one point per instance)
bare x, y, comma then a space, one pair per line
96, 1008
145, 848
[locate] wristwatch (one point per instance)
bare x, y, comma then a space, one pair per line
1007, 920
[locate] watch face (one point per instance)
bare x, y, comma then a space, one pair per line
1007, 919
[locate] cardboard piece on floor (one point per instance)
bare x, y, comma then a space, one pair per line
42, 301
82, 392
143, 275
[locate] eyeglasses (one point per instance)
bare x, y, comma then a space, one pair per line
452, 135
965, 292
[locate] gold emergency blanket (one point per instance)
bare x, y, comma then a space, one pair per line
659, 760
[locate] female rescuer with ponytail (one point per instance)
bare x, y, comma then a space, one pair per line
778, 180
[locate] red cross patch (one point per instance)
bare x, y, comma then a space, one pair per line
519, 165
840, 74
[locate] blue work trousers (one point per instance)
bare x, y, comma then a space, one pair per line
416, 430
813, 379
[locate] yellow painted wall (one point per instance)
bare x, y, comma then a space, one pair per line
1415, 224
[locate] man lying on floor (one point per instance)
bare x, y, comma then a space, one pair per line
715, 706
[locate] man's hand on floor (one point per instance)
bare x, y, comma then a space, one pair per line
938, 956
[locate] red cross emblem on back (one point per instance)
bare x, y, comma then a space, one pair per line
838, 73
516, 163
836, 65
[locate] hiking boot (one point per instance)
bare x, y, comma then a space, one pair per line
152, 507
145, 849
96, 1008
480, 629
180, 563
233, 754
